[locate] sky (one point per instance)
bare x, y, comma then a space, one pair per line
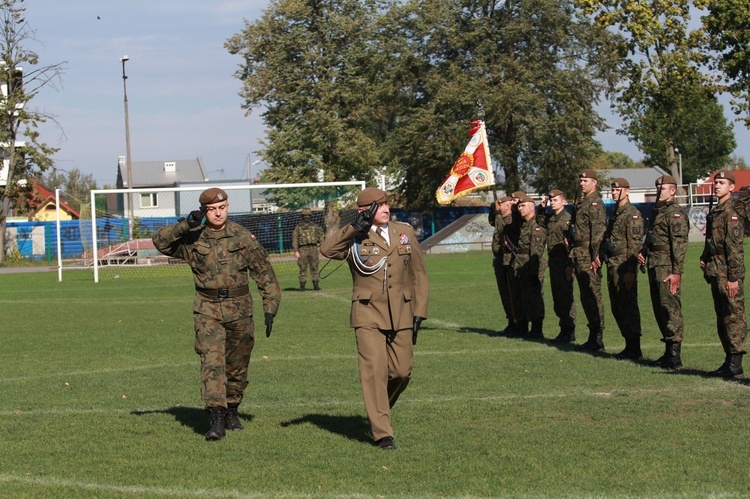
183, 100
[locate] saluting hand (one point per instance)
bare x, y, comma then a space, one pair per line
196, 217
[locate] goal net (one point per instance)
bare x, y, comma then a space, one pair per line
119, 242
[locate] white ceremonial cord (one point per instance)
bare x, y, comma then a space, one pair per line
360, 265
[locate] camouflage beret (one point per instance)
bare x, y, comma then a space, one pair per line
620, 183
370, 195
524, 198
306, 212
213, 195
555, 192
587, 173
665, 179
725, 174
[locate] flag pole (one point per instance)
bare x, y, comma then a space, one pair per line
481, 113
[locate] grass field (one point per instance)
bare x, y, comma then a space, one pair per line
100, 398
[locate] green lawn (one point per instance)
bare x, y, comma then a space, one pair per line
100, 398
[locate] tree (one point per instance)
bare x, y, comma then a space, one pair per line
612, 160
727, 28
74, 183
22, 80
661, 59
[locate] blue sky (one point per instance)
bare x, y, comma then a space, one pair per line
182, 95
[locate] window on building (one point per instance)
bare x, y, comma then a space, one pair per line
148, 200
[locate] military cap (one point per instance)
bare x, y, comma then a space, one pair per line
505, 199
370, 195
555, 192
517, 194
587, 173
524, 198
212, 195
306, 212
665, 179
620, 183
725, 174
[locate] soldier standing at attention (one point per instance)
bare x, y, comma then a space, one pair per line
557, 225
622, 242
306, 240
667, 243
723, 263
221, 254
530, 265
587, 229
501, 261
389, 303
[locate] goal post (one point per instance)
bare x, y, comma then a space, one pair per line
120, 247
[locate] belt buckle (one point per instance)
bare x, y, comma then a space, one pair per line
223, 293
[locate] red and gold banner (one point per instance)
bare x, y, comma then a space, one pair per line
472, 170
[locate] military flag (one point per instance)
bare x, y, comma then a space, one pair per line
472, 170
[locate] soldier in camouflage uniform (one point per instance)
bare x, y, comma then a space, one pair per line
501, 219
530, 267
587, 231
667, 242
557, 225
221, 254
622, 242
306, 240
723, 262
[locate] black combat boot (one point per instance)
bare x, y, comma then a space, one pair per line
567, 335
731, 368
722, 367
672, 357
632, 350
536, 332
301, 286
593, 344
505, 331
520, 330
232, 420
316, 286
217, 416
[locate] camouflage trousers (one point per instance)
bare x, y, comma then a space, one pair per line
224, 348
504, 277
562, 294
308, 257
532, 297
731, 322
590, 287
624, 302
667, 306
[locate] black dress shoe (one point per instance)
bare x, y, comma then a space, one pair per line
386, 443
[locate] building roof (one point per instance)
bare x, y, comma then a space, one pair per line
161, 173
638, 178
44, 196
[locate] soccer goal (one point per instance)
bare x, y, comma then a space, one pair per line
119, 243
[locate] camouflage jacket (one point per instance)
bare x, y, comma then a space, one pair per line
531, 243
728, 235
503, 227
305, 234
557, 226
668, 241
222, 259
623, 238
589, 227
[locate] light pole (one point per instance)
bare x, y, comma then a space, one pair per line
123, 60
680, 171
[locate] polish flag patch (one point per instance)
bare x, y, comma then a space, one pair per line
734, 219
677, 215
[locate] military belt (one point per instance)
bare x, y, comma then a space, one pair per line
659, 247
224, 292
581, 244
620, 252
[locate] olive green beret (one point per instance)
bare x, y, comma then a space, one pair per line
212, 195
587, 173
725, 174
555, 192
620, 183
665, 179
370, 195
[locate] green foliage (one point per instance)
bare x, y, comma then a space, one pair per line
140, 231
106, 403
615, 160
74, 184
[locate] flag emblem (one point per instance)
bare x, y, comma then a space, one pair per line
472, 170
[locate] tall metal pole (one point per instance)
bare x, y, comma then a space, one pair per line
128, 163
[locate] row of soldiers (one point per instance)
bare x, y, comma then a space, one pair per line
580, 243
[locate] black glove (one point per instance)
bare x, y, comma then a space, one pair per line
269, 323
196, 217
415, 329
363, 220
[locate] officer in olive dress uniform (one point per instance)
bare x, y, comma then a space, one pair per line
389, 302
502, 260
306, 240
587, 231
667, 242
221, 254
723, 263
622, 242
557, 224
531, 266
